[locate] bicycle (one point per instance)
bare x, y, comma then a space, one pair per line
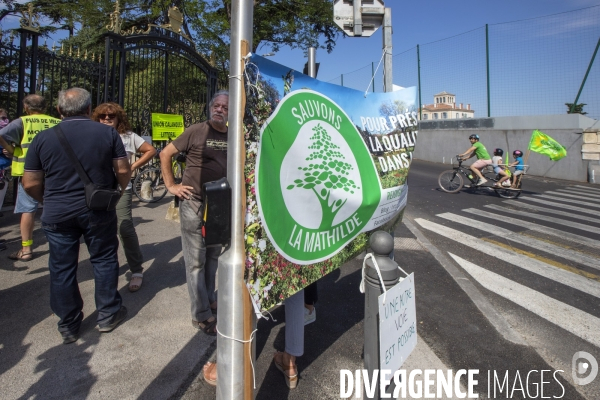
149, 185
453, 180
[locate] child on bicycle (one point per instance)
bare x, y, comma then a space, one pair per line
483, 158
519, 167
497, 165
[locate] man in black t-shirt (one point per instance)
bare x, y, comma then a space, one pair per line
49, 176
206, 147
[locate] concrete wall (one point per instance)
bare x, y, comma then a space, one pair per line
444, 139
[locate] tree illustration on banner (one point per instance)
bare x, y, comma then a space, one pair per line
326, 175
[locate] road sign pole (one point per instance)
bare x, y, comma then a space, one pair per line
312, 62
387, 50
357, 17
234, 371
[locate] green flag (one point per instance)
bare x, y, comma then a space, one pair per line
544, 144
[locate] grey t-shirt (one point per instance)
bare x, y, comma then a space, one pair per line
13, 132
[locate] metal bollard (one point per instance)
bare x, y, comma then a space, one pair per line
381, 243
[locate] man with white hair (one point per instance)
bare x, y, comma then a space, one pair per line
66, 217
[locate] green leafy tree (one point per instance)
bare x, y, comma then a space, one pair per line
291, 23
326, 173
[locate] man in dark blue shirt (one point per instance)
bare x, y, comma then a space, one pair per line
50, 176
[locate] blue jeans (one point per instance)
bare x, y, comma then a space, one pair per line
99, 230
200, 262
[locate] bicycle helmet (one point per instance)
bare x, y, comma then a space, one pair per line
518, 153
474, 136
498, 152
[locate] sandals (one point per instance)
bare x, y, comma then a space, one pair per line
290, 380
208, 327
135, 283
21, 256
207, 371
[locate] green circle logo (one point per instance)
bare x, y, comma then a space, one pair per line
316, 186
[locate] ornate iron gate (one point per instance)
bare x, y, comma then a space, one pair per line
156, 70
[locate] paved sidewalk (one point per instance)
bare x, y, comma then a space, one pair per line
149, 356
156, 353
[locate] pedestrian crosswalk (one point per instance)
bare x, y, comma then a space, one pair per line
540, 252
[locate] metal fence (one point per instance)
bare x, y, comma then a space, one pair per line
527, 67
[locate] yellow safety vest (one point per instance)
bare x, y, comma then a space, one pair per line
32, 125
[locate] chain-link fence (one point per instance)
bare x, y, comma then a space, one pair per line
526, 67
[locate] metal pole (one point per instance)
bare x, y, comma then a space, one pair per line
585, 77
382, 244
373, 74
166, 87
387, 50
487, 66
34, 62
419, 79
357, 5
312, 62
233, 366
342, 80
21, 79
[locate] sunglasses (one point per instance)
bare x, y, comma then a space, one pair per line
4, 118
107, 116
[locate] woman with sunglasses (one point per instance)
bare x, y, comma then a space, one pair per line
113, 115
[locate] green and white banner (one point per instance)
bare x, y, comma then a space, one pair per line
325, 166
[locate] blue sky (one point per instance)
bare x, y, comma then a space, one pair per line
419, 22
536, 65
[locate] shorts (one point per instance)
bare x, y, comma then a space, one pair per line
480, 164
517, 172
498, 170
25, 203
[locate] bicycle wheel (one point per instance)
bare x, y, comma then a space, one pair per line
450, 181
149, 186
508, 193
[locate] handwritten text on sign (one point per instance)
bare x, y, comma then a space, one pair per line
397, 324
166, 126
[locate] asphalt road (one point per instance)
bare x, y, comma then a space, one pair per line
510, 298
530, 268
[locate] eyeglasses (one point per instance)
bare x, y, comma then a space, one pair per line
4, 118
107, 116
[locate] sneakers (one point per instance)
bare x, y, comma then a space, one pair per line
506, 184
115, 320
481, 181
310, 317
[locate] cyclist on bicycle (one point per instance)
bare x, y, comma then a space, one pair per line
519, 167
498, 170
483, 157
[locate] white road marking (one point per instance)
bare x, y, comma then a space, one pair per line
581, 203
537, 244
575, 225
574, 195
573, 280
588, 188
532, 226
569, 318
516, 203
